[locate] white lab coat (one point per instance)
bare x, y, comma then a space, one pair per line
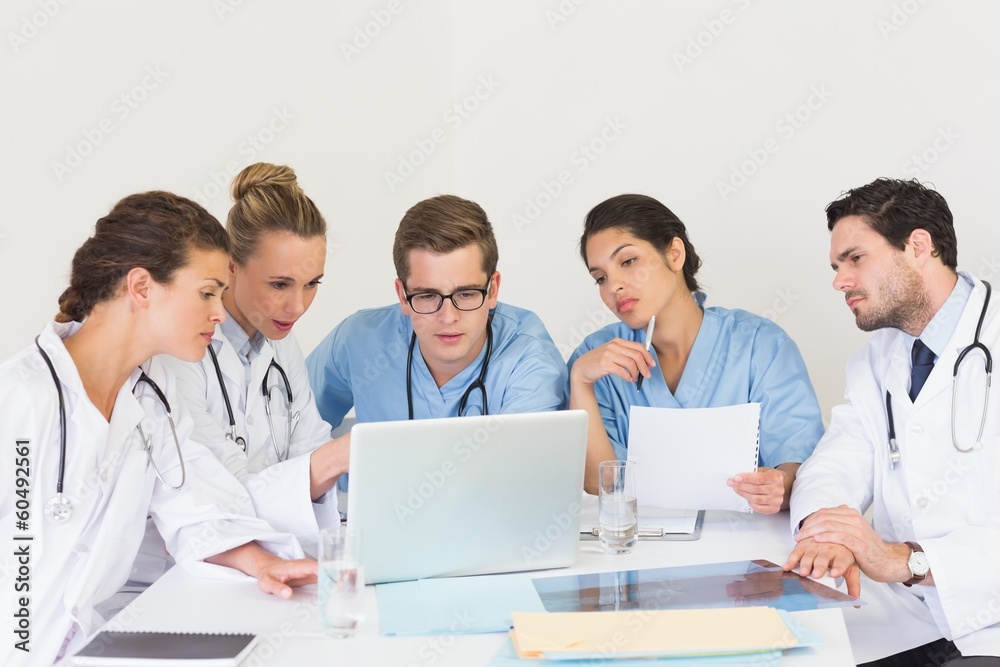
75, 565
279, 489
946, 501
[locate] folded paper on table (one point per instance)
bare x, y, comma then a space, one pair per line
658, 633
715, 585
458, 605
685, 455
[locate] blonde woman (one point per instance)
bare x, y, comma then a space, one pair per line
250, 395
96, 438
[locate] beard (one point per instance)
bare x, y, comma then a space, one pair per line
900, 302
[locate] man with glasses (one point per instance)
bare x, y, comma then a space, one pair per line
448, 348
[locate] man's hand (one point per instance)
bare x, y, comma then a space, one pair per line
880, 560
817, 559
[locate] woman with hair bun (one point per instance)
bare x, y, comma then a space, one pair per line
639, 255
250, 395
95, 436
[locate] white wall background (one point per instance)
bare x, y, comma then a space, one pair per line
897, 88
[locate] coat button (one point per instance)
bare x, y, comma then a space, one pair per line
82, 548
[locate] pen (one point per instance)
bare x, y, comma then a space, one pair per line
649, 345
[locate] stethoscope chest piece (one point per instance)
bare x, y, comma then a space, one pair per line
59, 509
239, 440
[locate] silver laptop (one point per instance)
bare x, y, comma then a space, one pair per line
467, 495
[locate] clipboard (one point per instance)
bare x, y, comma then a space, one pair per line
591, 533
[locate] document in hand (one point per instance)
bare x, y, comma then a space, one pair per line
652, 634
685, 455
160, 649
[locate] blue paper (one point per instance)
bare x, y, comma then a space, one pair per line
455, 605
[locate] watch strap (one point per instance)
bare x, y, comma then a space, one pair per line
914, 547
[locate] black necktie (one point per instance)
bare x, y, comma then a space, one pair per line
923, 363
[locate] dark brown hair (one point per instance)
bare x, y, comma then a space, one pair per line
894, 208
153, 230
644, 218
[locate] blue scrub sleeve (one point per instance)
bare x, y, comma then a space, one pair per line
537, 383
330, 378
790, 419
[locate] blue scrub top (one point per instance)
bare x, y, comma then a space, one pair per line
362, 363
737, 357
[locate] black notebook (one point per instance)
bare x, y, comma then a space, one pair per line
165, 648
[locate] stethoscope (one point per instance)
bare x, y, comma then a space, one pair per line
894, 455
266, 393
60, 509
479, 384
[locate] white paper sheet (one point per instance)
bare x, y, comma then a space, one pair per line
684, 456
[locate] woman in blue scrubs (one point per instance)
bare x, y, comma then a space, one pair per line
639, 255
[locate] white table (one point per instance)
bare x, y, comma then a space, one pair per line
291, 633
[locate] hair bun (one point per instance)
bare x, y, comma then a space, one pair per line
71, 306
262, 175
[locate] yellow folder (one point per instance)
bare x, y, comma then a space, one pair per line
655, 633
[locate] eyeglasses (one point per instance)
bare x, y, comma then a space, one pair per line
426, 303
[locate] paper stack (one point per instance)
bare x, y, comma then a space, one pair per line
683, 633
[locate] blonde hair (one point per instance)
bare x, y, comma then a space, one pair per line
267, 198
441, 225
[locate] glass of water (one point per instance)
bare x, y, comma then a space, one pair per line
617, 506
341, 580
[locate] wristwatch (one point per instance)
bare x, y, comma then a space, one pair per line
919, 567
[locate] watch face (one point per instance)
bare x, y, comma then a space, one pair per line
918, 564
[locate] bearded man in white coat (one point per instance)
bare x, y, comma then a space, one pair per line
918, 441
